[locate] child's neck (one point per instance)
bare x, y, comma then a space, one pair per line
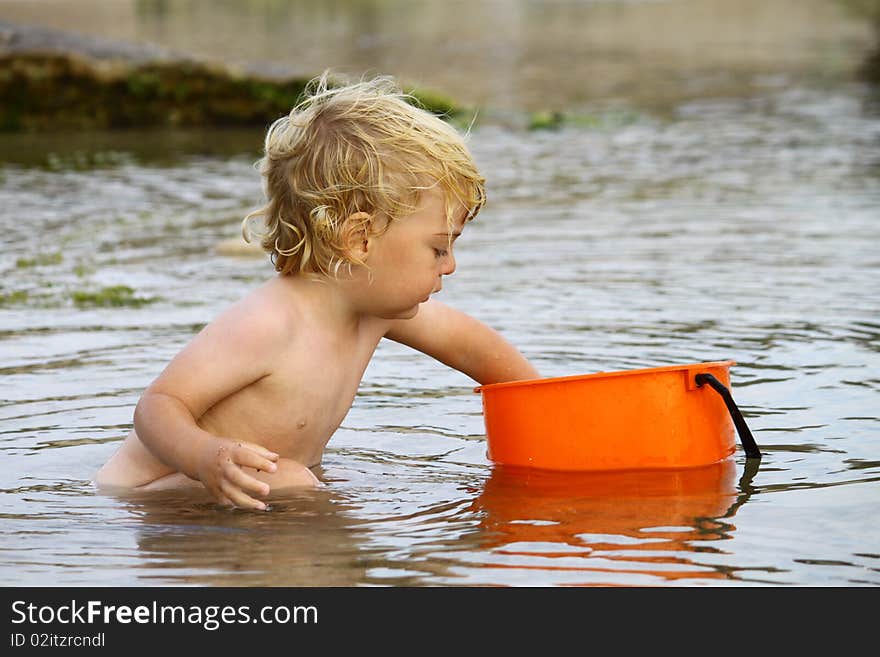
326, 301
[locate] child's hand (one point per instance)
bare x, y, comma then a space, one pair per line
219, 468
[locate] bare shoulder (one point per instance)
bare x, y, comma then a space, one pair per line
239, 346
263, 316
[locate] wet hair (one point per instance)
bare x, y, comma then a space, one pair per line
347, 154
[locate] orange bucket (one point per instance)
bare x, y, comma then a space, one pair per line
661, 417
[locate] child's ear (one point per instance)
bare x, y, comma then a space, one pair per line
361, 228
357, 233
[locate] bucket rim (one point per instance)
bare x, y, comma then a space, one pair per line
601, 375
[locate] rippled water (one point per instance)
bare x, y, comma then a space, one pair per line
742, 228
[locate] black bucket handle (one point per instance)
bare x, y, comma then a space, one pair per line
745, 436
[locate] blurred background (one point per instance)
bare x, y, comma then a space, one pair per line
511, 54
669, 181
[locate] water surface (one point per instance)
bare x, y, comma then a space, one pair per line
738, 227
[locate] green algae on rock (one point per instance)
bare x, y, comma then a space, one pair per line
115, 295
50, 90
40, 91
15, 297
51, 79
40, 260
545, 120
605, 119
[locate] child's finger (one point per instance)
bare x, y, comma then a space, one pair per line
259, 449
246, 482
214, 491
222, 500
240, 499
245, 456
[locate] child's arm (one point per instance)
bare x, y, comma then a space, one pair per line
227, 355
462, 342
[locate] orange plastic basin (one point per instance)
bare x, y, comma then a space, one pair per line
637, 419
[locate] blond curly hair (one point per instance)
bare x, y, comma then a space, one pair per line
347, 152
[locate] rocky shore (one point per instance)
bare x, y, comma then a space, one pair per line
59, 80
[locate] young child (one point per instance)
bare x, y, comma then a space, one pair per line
366, 196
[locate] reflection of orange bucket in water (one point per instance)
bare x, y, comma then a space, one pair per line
620, 503
626, 524
662, 417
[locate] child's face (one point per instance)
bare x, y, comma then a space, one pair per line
408, 260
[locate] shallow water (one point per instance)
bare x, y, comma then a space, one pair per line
739, 228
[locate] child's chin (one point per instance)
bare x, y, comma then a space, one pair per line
409, 313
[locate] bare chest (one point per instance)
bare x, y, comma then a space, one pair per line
295, 410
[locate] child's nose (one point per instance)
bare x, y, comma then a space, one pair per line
448, 264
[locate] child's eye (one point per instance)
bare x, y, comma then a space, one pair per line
440, 253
